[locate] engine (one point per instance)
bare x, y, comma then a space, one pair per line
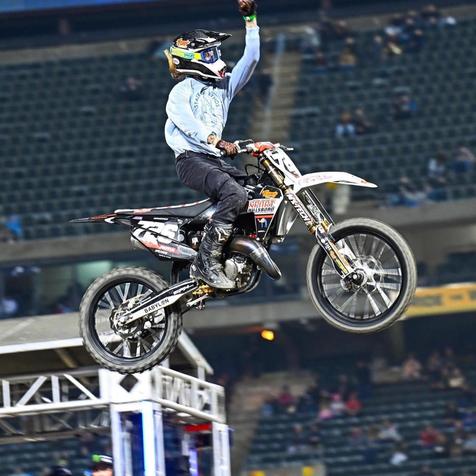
238, 268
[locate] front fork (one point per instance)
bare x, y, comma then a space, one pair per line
319, 225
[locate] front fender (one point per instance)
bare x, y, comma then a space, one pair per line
344, 178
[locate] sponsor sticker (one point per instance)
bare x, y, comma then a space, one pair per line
269, 193
181, 43
263, 205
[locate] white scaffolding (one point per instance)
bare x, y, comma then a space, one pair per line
97, 398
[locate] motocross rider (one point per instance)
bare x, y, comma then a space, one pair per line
197, 110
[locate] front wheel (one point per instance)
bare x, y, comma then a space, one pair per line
135, 348
387, 262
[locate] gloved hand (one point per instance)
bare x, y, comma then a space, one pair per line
229, 149
247, 7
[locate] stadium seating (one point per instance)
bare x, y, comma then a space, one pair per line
33, 458
70, 146
409, 405
440, 78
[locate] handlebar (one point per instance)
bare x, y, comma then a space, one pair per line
249, 146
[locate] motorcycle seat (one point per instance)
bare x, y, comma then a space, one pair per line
186, 210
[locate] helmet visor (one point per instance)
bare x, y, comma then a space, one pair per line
210, 55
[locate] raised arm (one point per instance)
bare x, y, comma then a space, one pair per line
245, 67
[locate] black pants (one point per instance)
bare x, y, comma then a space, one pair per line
216, 179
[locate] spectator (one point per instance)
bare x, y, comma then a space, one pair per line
469, 446
379, 50
469, 420
357, 436
311, 41
429, 436
337, 406
416, 41
268, 408
371, 446
306, 404
458, 438
464, 160
345, 126
455, 378
398, 456
407, 194
430, 15
321, 61
13, 223
395, 25
298, 440
132, 89
362, 123
286, 400
389, 432
432, 438
6, 235
348, 56
404, 107
437, 168
325, 412
314, 434
411, 368
353, 404
8, 307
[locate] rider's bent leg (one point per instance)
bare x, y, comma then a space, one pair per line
231, 198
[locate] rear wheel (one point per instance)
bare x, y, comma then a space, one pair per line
387, 264
139, 346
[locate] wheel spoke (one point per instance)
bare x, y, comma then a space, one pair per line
389, 272
126, 349
373, 303
390, 286
384, 296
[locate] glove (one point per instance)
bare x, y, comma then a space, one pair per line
247, 7
229, 149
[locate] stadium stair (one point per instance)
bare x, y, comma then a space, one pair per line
248, 396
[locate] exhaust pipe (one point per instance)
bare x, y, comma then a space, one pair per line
257, 253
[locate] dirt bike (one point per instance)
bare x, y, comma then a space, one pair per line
361, 274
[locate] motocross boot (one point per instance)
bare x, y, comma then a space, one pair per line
207, 265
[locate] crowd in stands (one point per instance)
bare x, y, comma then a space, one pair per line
441, 169
404, 34
350, 394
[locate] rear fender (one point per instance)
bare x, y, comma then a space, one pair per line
111, 218
317, 178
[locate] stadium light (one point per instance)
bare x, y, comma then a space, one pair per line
268, 334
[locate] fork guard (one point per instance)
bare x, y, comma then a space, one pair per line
257, 253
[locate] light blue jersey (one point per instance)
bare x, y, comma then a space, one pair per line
196, 109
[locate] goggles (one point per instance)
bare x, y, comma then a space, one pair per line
209, 55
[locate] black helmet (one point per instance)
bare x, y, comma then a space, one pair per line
197, 53
101, 462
